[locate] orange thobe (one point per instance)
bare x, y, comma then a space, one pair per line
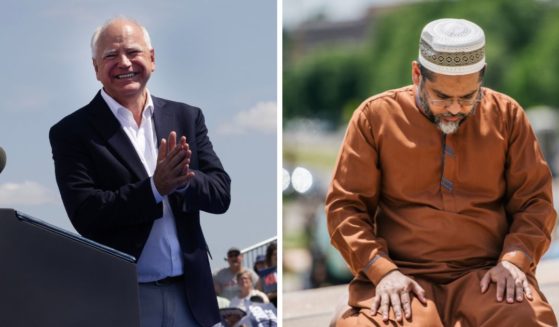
437, 207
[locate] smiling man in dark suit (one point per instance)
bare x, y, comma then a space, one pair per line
125, 185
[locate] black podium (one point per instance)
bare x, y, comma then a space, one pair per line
52, 278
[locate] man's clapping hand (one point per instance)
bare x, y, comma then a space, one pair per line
173, 165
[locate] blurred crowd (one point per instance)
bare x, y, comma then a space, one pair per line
247, 296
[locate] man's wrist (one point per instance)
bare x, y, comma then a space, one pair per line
517, 258
156, 195
379, 267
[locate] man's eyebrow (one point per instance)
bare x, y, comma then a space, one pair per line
134, 47
444, 95
108, 52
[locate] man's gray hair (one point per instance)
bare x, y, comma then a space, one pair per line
101, 29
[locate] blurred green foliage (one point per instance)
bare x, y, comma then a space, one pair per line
522, 52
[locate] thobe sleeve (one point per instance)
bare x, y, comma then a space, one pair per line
529, 202
352, 201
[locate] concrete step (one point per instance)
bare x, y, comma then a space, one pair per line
315, 307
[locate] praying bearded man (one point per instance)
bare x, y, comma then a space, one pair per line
441, 200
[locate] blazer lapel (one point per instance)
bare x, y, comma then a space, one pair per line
163, 120
109, 128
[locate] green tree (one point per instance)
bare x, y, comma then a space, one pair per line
522, 43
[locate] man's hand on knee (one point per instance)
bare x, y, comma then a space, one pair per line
393, 290
510, 280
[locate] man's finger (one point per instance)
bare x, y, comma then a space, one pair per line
510, 288
172, 140
519, 290
527, 289
181, 180
162, 153
384, 306
500, 289
406, 303
182, 152
419, 291
177, 159
396, 305
186, 148
485, 282
375, 306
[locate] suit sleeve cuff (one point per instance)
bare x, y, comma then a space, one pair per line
157, 197
184, 188
378, 267
517, 258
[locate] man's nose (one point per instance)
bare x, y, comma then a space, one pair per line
455, 107
124, 61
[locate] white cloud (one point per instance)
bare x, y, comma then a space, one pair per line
261, 118
26, 193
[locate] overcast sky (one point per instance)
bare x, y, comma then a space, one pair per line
217, 55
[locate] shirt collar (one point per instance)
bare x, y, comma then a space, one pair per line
115, 107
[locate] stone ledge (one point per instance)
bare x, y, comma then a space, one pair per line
315, 307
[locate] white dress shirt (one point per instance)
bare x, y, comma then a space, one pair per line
161, 256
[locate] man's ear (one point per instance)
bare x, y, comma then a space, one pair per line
96, 68
152, 56
95, 65
415, 73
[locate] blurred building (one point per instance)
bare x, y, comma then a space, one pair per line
545, 122
321, 32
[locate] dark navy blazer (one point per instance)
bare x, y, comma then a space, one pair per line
107, 194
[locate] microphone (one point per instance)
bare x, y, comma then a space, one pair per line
2, 159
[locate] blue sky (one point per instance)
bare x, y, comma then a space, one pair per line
217, 55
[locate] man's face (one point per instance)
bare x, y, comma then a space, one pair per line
448, 100
123, 62
234, 259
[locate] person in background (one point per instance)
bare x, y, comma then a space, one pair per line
259, 263
272, 255
268, 276
225, 280
246, 291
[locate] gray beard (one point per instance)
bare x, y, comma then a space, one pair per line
447, 127
450, 127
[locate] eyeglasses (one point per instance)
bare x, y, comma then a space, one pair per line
445, 103
464, 103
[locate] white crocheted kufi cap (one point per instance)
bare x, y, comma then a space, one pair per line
451, 46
